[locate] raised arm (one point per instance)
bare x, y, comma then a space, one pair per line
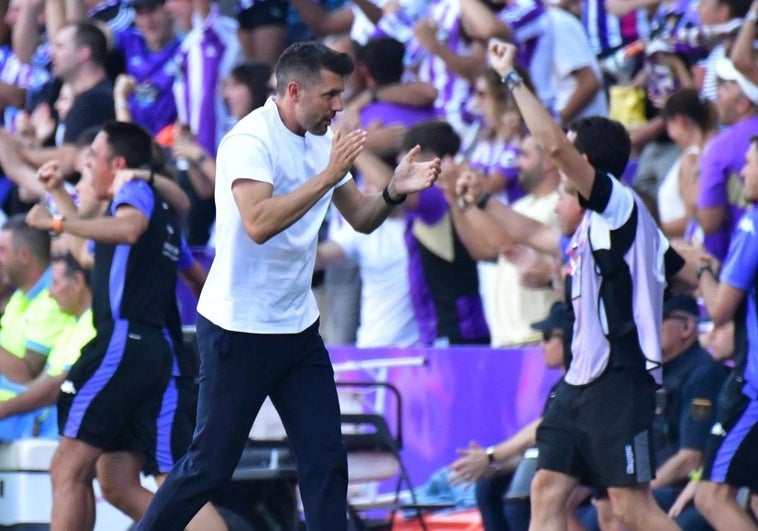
372, 11
466, 66
743, 53
26, 34
480, 22
322, 21
541, 124
55, 16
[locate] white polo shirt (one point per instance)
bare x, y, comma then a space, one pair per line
266, 288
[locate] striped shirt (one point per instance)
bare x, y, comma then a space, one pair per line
117, 15
453, 91
13, 71
533, 33
207, 55
607, 32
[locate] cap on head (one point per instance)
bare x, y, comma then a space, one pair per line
558, 318
725, 70
681, 304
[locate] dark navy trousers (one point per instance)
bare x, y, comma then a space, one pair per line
237, 372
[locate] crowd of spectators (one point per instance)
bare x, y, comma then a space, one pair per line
681, 75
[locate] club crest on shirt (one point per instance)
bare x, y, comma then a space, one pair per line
746, 225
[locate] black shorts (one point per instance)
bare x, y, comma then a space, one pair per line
731, 456
113, 393
176, 425
263, 13
600, 433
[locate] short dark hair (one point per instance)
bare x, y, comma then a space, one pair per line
304, 61
72, 265
86, 137
688, 103
37, 240
435, 136
130, 141
383, 58
87, 34
605, 142
255, 76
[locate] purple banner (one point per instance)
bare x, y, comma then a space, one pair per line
460, 394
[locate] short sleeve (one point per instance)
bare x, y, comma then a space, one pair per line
741, 263
574, 51
136, 193
68, 348
611, 199
44, 324
92, 108
245, 156
713, 192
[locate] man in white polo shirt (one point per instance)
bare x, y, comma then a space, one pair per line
277, 171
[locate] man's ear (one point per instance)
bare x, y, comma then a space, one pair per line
293, 90
25, 254
744, 104
118, 162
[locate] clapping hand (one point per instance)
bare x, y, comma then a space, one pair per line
472, 465
345, 149
448, 177
411, 176
469, 188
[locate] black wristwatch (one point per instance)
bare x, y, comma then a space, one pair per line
389, 200
490, 451
482, 202
703, 269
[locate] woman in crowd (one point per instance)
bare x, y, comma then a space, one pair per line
690, 122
